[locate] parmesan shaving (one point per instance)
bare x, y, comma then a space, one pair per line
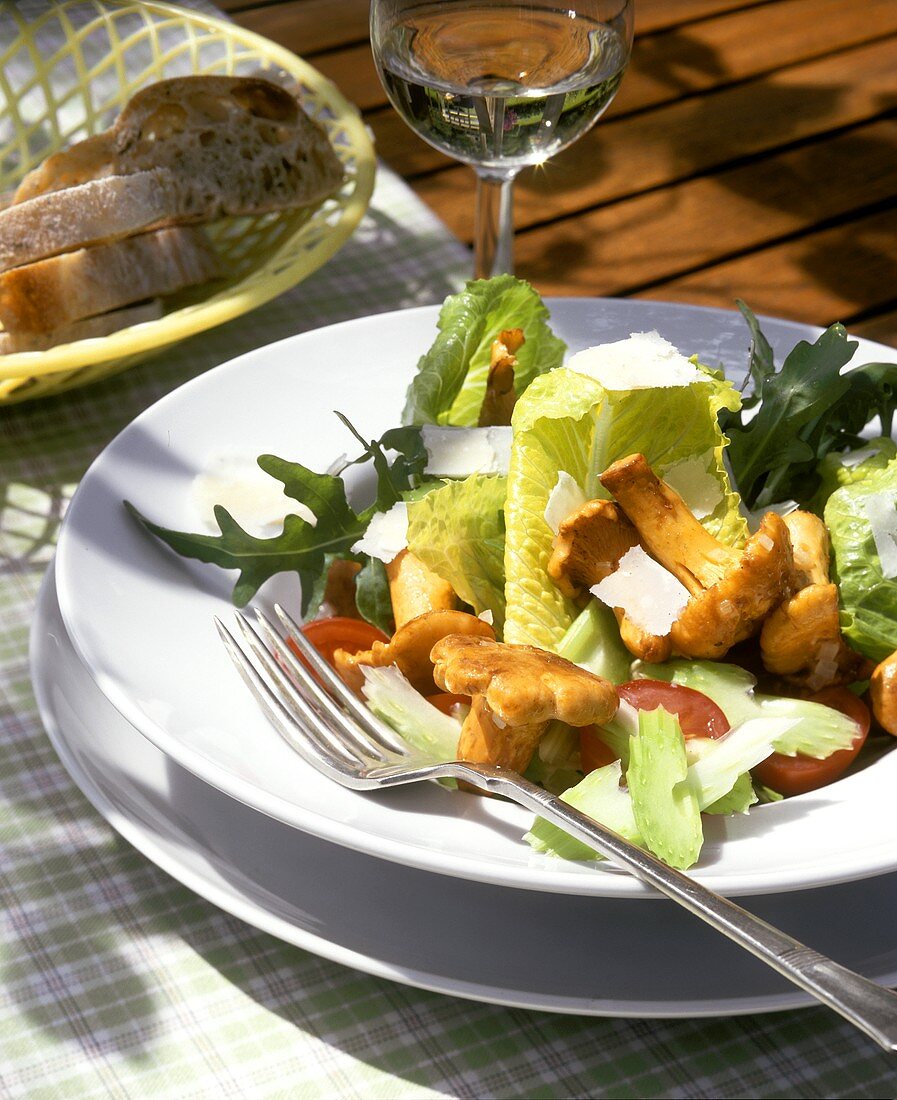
650, 596
255, 499
460, 452
881, 511
697, 486
852, 459
644, 361
386, 535
564, 499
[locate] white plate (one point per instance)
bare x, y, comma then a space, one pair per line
413, 926
141, 618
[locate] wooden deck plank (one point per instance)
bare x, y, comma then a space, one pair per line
748, 42
882, 328
820, 278
658, 235
678, 62
629, 155
306, 26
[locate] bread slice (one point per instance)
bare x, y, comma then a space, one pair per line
100, 210
196, 148
46, 295
104, 325
90, 159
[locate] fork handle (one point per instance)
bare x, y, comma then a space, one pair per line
869, 1006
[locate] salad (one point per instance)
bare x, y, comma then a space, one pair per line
653, 593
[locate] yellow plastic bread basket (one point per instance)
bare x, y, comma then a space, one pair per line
66, 70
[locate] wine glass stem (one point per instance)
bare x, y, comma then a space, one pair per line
493, 246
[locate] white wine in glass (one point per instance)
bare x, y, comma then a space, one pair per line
500, 85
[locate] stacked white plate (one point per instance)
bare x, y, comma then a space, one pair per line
423, 885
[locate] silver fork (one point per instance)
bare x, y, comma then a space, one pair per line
335, 733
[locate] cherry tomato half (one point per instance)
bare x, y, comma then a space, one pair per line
446, 702
698, 715
799, 774
593, 752
339, 632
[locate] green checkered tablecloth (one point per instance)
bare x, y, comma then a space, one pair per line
116, 981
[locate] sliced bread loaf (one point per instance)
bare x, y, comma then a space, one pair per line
236, 145
43, 296
201, 146
104, 325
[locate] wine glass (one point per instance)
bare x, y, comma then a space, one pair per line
500, 84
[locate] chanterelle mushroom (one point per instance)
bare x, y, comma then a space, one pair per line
339, 590
517, 690
588, 548
801, 638
415, 589
731, 590
409, 648
883, 693
500, 397
810, 547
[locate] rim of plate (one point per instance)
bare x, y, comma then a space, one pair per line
609, 882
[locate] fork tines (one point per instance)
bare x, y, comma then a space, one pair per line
309, 704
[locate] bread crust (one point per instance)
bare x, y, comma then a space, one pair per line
90, 328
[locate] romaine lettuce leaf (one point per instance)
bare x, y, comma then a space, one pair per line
868, 597
458, 531
568, 422
553, 430
848, 467
450, 382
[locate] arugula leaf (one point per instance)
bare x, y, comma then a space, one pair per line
763, 450
450, 382
310, 549
301, 547
408, 468
805, 410
396, 477
372, 595
761, 364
